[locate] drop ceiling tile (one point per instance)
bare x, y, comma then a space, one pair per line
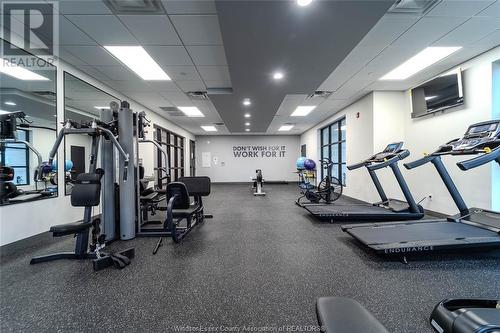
83, 7
189, 6
198, 29
387, 29
93, 55
183, 73
163, 86
70, 58
177, 98
471, 31
214, 73
491, 11
169, 55
389, 59
208, 55
69, 34
105, 29
127, 87
428, 30
459, 8
191, 85
118, 73
94, 72
151, 29
218, 84
490, 40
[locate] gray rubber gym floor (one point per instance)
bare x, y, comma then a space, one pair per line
261, 262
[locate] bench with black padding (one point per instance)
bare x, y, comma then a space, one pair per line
185, 203
344, 315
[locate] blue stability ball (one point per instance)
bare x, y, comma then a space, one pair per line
68, 165
309, 164
300, 163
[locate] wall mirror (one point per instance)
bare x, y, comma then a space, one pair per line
28, 121
82, 104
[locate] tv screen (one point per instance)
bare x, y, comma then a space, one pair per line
440, 93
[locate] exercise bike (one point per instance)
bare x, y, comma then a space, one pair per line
329, 188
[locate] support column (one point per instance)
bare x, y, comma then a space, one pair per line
127, 188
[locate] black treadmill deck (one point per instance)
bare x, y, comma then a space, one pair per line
359, 212
423, 236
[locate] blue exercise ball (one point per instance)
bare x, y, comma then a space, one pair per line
309, 164
300, 163
68, 165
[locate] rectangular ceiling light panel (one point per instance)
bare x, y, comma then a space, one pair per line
139, 61
285, 128
191, 111
302, 111
422, 60
209, 128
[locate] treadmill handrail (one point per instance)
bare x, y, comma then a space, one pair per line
357, 165
480, 160
400, 156
419, 162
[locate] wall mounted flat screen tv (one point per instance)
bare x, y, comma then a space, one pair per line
438, 94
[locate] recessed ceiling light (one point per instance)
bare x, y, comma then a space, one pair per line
428, 98
139, 61
302, 111
247, 124
20, 73
278, 75
420, 61
303, 3
284, 128
246, 102
247, 115
102, 107
5, 112
209, 128
10, 103
247, 129
191, 111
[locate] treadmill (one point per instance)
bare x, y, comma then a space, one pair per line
471, 229
385, 210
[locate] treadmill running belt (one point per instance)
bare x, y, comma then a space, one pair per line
418, 231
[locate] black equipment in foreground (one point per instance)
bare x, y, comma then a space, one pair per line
345, 315
385, 210
87, 193
472, 229
328, 191
466, 316
258, 182
180, 208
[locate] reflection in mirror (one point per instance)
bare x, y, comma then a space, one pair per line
82, 104
28, 117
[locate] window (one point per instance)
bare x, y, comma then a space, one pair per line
16, 155
333, 147
174, 145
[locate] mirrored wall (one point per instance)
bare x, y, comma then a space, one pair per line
28, 118
82, 104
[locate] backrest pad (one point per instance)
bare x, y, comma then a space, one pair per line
87, 190
180, 190
197, 186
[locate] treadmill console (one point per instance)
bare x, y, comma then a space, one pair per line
389, 151
478, 136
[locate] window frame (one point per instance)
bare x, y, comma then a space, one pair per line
175, 153
339, 142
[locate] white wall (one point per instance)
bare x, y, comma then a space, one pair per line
390, 120
23, 220
359, 144
225, 167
